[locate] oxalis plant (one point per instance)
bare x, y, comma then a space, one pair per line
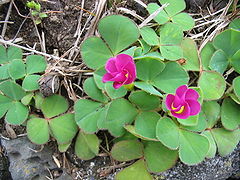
140, 92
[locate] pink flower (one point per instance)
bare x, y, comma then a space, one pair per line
184, 103
121, 70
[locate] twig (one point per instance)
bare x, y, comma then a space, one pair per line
153, 15
134, 14
34, 51
19, 11
141, 3
7, 18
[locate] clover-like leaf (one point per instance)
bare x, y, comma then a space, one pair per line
145, 124
211, 110
145, 86
218, 85
119, 32
236, 86
148, 69
37, 130
235, 24
171, 78
206, 55
226, 140
35, 64
3, 55
16, 69
17, 113
235, 61
137, 170
161, 17
100, 55
87, 114
86, 146
201, 123
4, 74
230, 114
212, 145
193, 147
5, 104
12, 90
54, 105
30, 82
228, 41
127, 150
93, 91
149, 36
174, 7
64, 147
14, 53
158, 157
27, 99
63, 128
184, 20
114, 93
219, 61
144, 101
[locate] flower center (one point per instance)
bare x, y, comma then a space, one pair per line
180, 111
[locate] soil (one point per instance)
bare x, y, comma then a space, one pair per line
59, 31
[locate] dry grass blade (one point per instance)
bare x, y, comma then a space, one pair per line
133, 13
141, 3
6, 19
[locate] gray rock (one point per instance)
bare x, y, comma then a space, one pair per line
217, 168
25, 164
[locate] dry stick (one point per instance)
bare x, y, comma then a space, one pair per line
80, 19
6, 19
141, 3
34, 51
134, 14
153, 15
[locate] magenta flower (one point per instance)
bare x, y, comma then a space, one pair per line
121, 70
184, 103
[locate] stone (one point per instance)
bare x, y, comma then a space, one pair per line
25, 163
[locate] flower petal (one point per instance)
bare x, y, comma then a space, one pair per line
195, 107
107, 77
191, 94
181, 90
120, 77
117, 85
169, 100
131, 72
185, 114
111, 65
122, 60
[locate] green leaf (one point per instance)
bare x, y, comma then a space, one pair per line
174, 6
35, 64
98, 75
16, 69
235, 24
95, 57
206, 55
145, 124
86, 146
230, 114
226, 140
149, 36
217, 88
190, 54
14, 53
92, 90
5, 104
236, 86
235, 61
219, 61
211, 110
27, 99
130, 51
171, 78
145, 47
171, 34
4, 72
30, 82
147, 88
184, 20
17, 113
144, 101
193, 147
115, 93
167, 133
43, 15
158, 157
63, 128
212, 145
12, 90
201, 123
131, 129
119, 108
38, 100
228, 41
137, 170
235, 98
119, 32
37, 130
127, 150
54, 105
162, 16
171, 52
148, 69
150, 56
3, 55
87, 113
64, 147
